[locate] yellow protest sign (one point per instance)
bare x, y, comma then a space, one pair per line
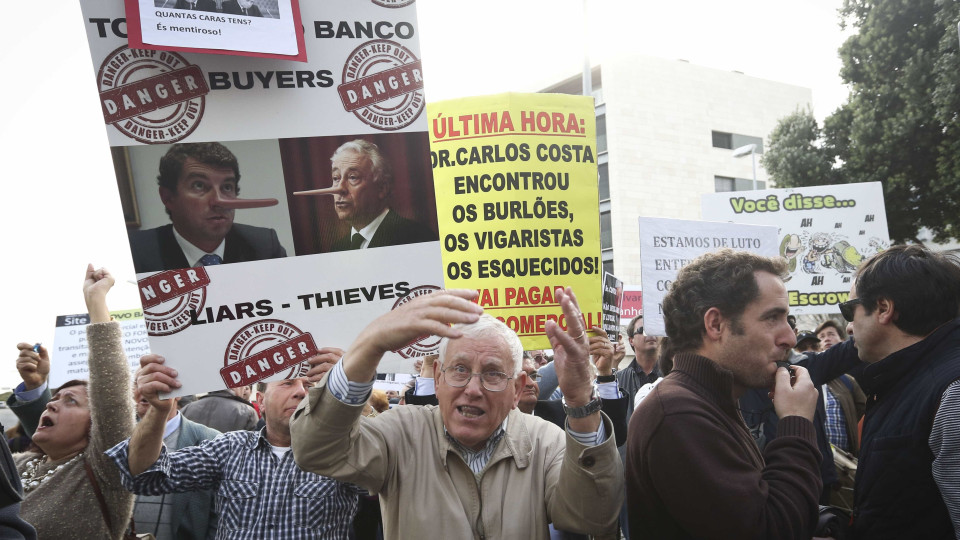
517, 204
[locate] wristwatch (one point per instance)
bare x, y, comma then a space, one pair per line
591, 407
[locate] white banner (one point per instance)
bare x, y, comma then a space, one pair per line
245, 246
667, 245
236, 324
825, 233
363, 75
68, 356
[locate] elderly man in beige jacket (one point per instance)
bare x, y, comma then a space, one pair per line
475, 466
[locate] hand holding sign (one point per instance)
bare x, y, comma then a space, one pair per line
601, 350
323, 362
154, 378
33, 365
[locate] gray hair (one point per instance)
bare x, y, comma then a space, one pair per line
488, 326
380, 167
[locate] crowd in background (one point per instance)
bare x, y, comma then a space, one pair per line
737, 425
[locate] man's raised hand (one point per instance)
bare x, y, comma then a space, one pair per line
154, 378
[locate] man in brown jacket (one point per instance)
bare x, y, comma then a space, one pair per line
480, 467
693, 469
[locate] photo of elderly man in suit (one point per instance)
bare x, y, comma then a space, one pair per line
365, 180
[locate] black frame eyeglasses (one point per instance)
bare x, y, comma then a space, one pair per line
494, 381
637, 330
846, 308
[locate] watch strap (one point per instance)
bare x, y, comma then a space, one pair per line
591, 407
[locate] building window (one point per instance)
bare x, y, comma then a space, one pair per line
606, 230
726, 183
607, 260
604, 181
735, 140
601, 133
722, 140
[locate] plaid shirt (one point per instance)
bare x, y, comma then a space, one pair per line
258, 496
835, 424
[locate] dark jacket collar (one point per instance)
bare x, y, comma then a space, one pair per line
881, 376
654, 373
715, 380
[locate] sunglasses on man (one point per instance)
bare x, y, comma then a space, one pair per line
847, 308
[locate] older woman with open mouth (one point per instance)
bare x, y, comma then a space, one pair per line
70, 488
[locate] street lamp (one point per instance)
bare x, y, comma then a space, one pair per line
750, 149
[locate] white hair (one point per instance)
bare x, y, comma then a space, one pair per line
379, 167
489, 326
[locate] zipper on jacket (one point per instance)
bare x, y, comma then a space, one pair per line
480, 530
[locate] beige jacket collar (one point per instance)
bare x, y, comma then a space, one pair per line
516, 443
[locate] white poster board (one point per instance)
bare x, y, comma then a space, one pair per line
667, 245
295, 285
825, 232
68, 355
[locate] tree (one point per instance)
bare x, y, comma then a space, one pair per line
794, 157
900, 124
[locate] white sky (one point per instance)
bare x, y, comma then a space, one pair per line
62, 205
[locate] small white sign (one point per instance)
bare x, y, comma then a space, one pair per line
667, 245
254, 26
69, 354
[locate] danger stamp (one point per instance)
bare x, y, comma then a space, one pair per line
383, 85
171, 299
153, 97
266, 348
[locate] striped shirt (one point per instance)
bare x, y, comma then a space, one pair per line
944, 442
259, 495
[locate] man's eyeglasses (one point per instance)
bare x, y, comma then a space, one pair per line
533, 375
637, 331
846, 308
459, 376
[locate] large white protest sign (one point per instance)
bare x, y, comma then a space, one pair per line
667, 245
68, 356
825, 233
363, 75
286, 276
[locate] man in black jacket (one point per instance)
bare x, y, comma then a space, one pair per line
903, 305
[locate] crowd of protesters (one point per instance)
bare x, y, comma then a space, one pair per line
738, 424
